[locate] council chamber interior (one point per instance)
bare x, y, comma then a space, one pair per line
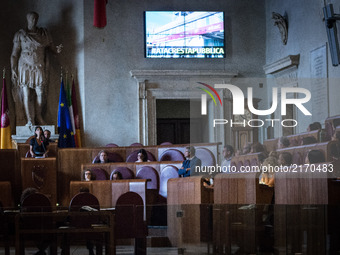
162, 76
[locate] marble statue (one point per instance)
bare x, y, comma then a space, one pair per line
29, 64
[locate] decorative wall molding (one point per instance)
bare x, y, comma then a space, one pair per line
145, 74
284, 63
171, 84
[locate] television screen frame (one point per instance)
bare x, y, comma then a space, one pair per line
184, 34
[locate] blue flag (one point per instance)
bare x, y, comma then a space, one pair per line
65, 130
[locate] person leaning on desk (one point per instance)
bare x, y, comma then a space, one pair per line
38, 144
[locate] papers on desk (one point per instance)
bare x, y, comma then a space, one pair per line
99, 225
108, 209
87, 208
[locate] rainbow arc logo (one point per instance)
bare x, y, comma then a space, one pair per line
204, 97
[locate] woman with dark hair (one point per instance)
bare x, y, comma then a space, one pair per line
314, 156
88, 175
285, 159
117, 176
283, 142
38, 144
314, 126
257, 147
142, 156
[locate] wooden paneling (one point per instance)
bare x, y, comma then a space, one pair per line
189, 211
109, 191
304, 186
240, 188
10, 171
40, 174
6, 198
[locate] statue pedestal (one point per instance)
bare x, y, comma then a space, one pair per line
24, 132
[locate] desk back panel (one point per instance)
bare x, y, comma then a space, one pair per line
40, 174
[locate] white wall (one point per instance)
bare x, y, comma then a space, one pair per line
306, 32
101, 59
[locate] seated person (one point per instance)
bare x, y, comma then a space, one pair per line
102, 157
267, 176
283, 142
336, 123
314, 156
190, 163
47, 135
142, 156
228, 152
88, 175
38, 144
246, 149
208, 183
285, 159
314, 126
308, 140
257, 147
335, 146
117, 176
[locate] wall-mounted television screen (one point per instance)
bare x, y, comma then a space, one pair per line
184, 34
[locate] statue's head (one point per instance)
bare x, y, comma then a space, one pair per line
32, 18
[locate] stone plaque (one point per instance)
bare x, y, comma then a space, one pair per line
319, 84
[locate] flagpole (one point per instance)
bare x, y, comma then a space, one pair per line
61, 73
4, 73
66, 76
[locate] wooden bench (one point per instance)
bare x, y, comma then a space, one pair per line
304, 197
135, 167
295, 140
55, 230
299, 153
239, 202
71, 159
107, 192
10, 172
251, 159
189, 211
6, 197
308, 184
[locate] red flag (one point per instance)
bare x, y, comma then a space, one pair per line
75, 115
99, 17
6, 142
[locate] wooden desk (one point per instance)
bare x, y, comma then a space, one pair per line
6, 194
189, 211
107, 192
236, 219
40, 174
56, 217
